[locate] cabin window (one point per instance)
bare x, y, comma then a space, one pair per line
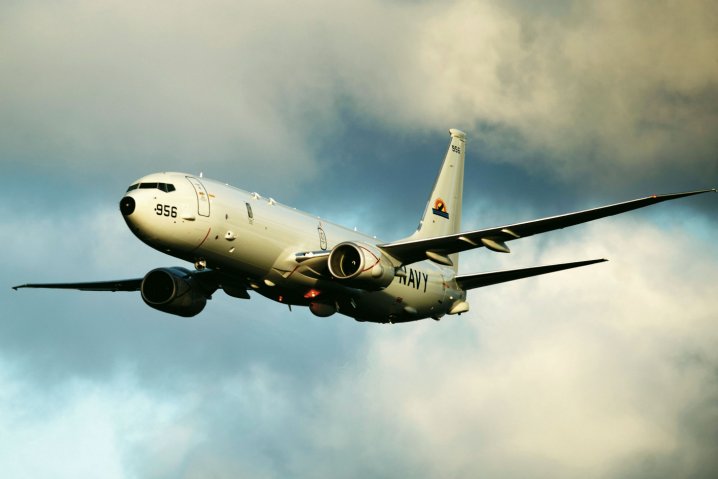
133, 187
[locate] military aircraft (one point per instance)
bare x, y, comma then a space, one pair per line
240, 242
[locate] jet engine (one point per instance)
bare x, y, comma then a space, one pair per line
361, 266
174, 291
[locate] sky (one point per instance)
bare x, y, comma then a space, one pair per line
343, 110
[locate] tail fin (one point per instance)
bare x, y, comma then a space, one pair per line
442, 215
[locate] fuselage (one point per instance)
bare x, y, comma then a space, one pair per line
254, 241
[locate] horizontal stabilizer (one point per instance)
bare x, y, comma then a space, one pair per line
472, 281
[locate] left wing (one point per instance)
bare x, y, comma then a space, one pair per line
438, 248
120, 285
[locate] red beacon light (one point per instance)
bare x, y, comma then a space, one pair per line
311, 294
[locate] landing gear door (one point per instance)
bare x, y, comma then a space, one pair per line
202, 196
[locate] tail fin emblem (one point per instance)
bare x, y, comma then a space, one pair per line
440, 208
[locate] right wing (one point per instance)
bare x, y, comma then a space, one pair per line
471, 281
120, 285
438, 248
208, 278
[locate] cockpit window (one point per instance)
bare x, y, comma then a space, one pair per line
166, 187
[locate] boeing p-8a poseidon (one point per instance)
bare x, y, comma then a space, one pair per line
240, 242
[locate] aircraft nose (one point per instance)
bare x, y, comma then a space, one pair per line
127, 206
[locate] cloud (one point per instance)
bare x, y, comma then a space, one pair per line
630, 87
608, 93
190, 86
86, 426
603, 371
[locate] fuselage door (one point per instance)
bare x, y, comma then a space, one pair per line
202, 196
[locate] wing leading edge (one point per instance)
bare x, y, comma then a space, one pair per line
438, 248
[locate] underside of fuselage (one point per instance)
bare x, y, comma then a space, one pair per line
394, 304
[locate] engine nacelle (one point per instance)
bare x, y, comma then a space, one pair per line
361, 266
174, 291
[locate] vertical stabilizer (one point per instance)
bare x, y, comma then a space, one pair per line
442, 215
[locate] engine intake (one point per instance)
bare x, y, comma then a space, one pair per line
174, 291
360, 265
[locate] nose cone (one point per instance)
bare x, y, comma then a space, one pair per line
127, 206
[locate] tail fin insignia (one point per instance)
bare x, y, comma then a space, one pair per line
439, 208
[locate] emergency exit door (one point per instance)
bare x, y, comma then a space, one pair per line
202, 196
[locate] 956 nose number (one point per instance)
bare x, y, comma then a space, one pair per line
166, 210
